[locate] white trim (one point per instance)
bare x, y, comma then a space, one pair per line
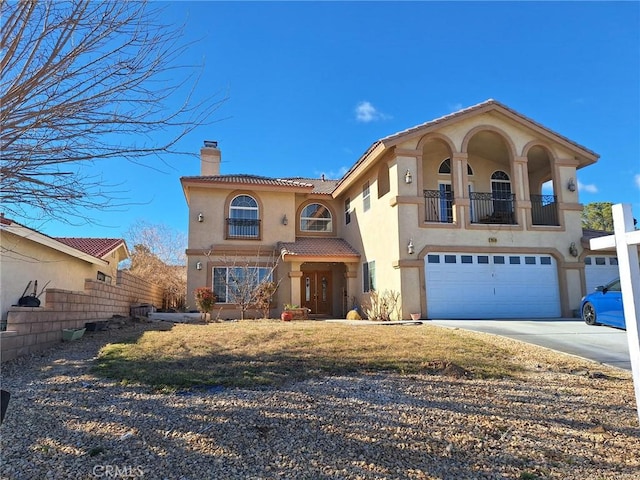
24, 232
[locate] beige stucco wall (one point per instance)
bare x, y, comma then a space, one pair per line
213, 203
23, 260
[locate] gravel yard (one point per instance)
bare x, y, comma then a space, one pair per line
64, 423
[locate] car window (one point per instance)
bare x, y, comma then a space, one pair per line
614, 286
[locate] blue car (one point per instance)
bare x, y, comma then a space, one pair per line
604, 306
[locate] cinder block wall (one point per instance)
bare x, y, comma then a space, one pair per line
32, 329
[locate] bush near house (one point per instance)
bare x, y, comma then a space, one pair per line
205, 300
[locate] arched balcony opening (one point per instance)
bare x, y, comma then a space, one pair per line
544, 202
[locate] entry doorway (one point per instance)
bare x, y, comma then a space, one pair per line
316, 292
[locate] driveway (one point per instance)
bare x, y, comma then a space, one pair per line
602, 344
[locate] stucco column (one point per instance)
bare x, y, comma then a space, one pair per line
520, 185
460, 182
294, 283
351, 277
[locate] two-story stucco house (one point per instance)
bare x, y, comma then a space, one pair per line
450, 214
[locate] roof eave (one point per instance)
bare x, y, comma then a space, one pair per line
37, 237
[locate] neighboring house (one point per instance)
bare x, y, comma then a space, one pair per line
27, 255
451, 214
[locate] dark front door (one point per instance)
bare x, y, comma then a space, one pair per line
316, 292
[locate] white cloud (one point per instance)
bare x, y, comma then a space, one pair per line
587, 188
636, 179
366, 112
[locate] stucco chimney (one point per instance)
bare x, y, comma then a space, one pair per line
210, 158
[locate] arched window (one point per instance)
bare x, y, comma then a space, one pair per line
244, 218
501, 192
315, 217
445, 168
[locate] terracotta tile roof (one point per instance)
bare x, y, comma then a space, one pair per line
93, 246
249, 180
318, 247
320, 185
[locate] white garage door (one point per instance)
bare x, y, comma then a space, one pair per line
491, 286
600, 270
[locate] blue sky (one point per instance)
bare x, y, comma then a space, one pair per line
312, 85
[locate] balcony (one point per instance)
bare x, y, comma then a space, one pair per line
243, 228
544, 210
438, 206
496, 208
489, 208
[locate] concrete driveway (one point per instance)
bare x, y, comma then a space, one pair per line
602, 344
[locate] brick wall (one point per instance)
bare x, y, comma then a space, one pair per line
32, 329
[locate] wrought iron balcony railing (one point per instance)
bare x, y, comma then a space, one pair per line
544, 210
243, 228
492, 208
438, 206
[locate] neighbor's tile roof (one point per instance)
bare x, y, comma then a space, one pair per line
318, 247
589, 233
93, 246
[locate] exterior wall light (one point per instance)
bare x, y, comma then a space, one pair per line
198, 265
200, 217
407, 177
410, 248
285, 220
571, 185
573, 250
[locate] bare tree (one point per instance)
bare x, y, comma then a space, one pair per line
158, 256
248, 282
82, 81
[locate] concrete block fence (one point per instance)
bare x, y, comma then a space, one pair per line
32, 329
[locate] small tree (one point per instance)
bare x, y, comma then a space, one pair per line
205, 300
264, 294
247, 280
158, 256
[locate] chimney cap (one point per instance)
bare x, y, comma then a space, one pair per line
211, 143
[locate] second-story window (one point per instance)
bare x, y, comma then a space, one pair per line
501, 192
315, 217
244, 218
366, 197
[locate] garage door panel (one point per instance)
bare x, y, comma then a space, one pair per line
600, 270
491, 286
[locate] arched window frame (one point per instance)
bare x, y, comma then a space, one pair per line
445, 168
244, 217
307, 218
501, 191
